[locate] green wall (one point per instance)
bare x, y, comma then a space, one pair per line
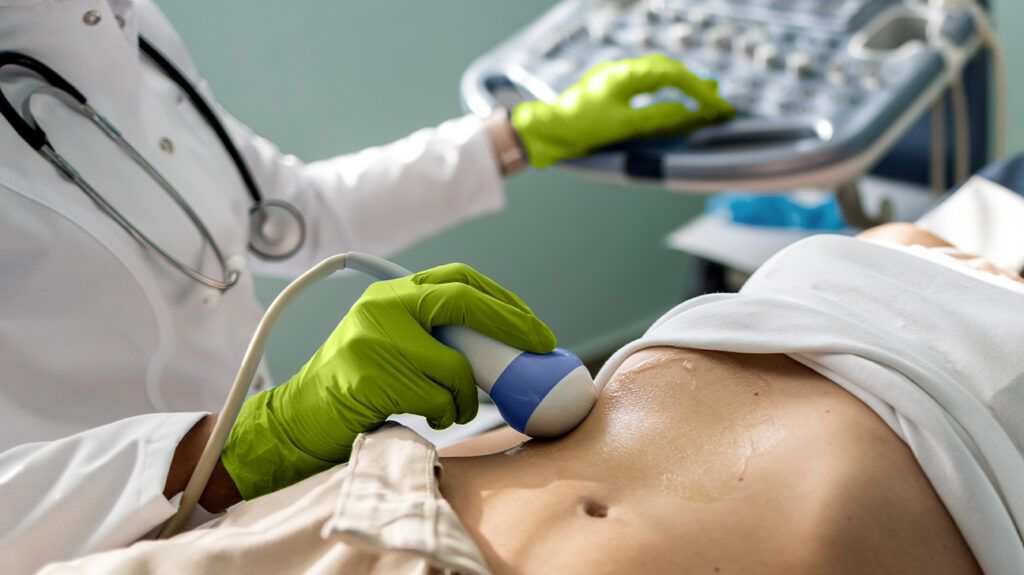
322, 77
1008, 19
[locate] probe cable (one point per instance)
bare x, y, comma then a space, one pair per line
369, 265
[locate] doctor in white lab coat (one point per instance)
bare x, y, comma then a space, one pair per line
108, 356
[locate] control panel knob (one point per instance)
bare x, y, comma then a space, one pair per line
721, 38
638, 36
700, 17
767, 57
674, 14
837, 75
871, 76
682, 36
746, 44
799, 64
600, 30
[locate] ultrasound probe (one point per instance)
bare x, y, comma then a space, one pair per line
541, 395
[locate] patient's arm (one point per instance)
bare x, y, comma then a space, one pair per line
904, 234
910, 235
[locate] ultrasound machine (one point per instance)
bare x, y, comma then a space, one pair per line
823, 87
826, 91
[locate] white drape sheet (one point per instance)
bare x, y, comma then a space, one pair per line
935, 350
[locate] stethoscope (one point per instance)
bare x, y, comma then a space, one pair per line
277, 229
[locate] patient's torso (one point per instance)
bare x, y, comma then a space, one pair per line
715, 463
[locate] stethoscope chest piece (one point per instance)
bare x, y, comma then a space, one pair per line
276, 230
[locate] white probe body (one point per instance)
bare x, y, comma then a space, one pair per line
541, 395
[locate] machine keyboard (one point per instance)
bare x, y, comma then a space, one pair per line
781, 63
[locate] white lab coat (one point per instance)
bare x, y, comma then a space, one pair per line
93, 329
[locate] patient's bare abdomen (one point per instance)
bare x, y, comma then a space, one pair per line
695, 461
699, 429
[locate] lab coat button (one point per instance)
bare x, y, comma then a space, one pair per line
167, 145
92, 17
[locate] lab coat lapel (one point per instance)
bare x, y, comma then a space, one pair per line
82, 41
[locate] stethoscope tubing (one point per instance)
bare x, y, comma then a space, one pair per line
36, 137
206, 112
230, 276
26, 125
259, 203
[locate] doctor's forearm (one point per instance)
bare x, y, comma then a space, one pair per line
221, 491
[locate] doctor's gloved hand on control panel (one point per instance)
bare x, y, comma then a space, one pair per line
596, 111
381, 360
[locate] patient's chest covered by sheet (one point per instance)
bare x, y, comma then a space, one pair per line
934, 351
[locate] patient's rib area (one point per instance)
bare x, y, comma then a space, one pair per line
708, 462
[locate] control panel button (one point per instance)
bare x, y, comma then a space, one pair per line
600, 30
638, 36
799, 64
871, 76
674, 14
767, 57
837, 75
700, 17
746, 43
721, 38
681, 36
843, 97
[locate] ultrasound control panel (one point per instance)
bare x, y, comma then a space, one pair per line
822, 88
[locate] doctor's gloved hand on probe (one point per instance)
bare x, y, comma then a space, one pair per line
381, 360
596, 111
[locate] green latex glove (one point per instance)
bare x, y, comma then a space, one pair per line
381, 360
595, 111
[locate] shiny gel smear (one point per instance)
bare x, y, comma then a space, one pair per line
691, 425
